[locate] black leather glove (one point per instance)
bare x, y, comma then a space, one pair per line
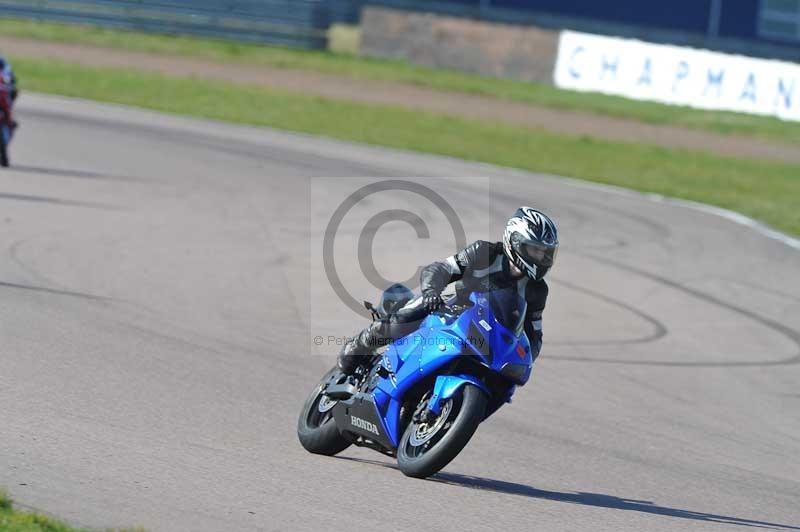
431, 300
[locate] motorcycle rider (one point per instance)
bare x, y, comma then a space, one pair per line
521, 260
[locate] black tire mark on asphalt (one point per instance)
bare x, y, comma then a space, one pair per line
13, 253
659, 329
782, 295
54, 291
788, 332
72, 173
57, 201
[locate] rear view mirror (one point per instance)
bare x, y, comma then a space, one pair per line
372, 310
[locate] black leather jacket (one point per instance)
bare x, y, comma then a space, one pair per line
480, 267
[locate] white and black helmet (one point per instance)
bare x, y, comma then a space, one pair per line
531, 242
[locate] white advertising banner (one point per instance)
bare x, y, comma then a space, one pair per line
678, 75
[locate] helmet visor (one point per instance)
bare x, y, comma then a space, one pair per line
538, 253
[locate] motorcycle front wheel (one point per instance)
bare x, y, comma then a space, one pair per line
430, 442
316, 428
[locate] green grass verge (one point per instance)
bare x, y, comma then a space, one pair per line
399, 71
15, 521
12, 520
765, 190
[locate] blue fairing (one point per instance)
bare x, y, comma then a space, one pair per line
447, 385
489, 331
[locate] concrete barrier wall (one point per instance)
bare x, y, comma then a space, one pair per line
492, 49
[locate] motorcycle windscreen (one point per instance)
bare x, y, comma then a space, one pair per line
508, 308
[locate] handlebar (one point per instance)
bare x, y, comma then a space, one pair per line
448, 311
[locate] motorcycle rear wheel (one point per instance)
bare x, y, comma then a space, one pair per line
316, 428
426, 447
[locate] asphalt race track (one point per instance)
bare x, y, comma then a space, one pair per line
155, 322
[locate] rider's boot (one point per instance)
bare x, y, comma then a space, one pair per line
381, 331
358, 350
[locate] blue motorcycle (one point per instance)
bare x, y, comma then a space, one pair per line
424, 396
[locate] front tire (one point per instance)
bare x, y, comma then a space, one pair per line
316, 428
426, 447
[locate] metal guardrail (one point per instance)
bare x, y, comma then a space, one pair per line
286, 22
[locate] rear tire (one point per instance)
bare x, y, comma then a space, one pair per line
426, 448
316, 428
